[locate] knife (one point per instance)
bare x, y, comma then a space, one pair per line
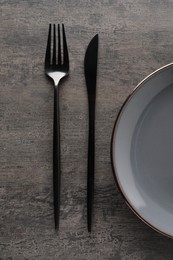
90, 69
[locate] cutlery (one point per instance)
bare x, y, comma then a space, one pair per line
56, 68
90, 69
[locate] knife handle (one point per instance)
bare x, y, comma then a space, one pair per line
56, 158
91, 164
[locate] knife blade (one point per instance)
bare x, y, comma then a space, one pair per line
90, 70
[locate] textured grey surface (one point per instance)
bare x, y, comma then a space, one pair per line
136, 37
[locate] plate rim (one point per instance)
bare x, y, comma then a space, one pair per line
139, 85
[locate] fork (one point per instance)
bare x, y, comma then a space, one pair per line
56, 68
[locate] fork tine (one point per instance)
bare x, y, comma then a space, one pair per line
48, 49
54, 45
59, 45
65, 49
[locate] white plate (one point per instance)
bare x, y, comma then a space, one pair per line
142, 150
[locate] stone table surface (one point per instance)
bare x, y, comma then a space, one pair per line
135, 38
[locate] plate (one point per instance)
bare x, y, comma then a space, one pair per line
142, 150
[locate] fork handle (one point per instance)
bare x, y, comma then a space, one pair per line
56, 158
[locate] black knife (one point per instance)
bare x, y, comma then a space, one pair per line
90, 67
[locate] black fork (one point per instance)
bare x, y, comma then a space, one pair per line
56, 67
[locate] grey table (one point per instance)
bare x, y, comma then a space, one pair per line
136, 37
